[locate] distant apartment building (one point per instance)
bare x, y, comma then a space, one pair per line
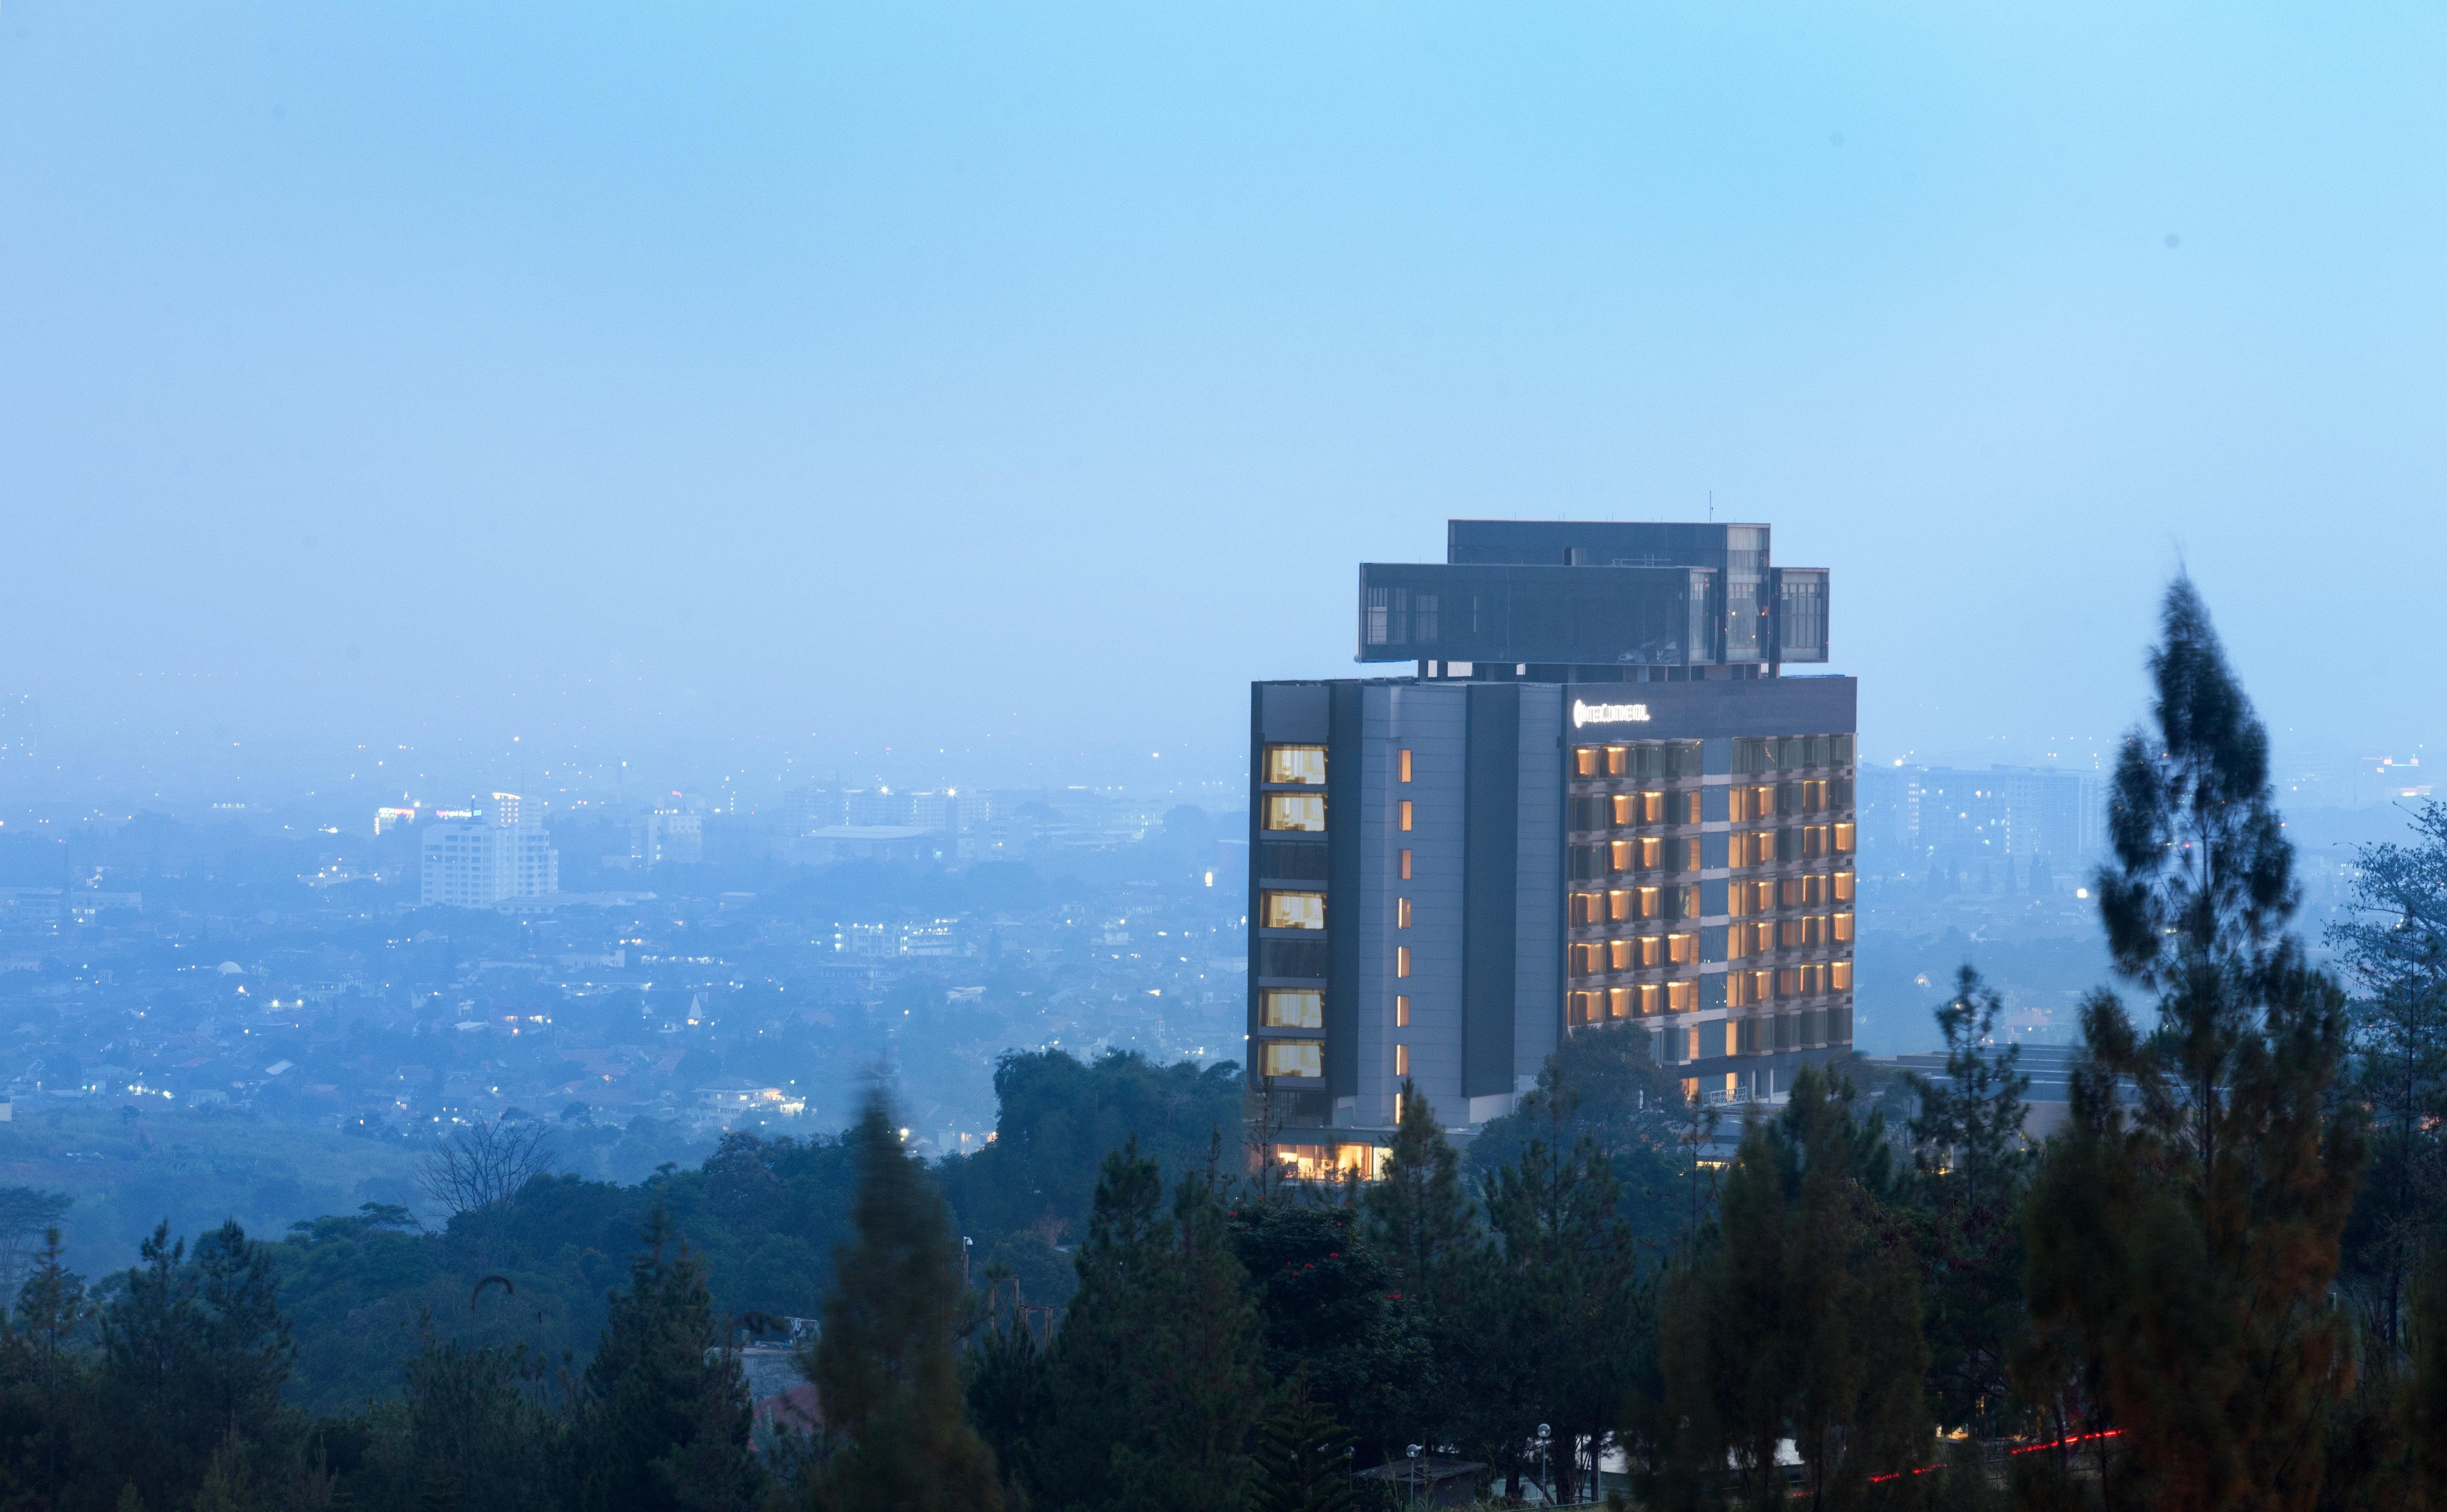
489, 856
667, 835
2006, 828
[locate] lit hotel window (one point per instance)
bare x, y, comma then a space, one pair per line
1406, 814
1401, 1012
1292, 910
1296, 811
1402, 913
1406, 766
1295, 1008
1401, 960
1294, 1057
1305, 765
1401, 1060
1406, 866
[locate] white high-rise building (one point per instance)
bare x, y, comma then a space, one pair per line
477, 862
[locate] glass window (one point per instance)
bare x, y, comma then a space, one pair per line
1843, 887
1402, 913
1296, 811
1295, 1008
1292, 910
1406, 866
1404, 817
1401, 1060
1681, 997
1585, 760
1401, 960
1305, 765
1842, 839
1294, 1057
1843, 927
1405, 766
1401, 1012
1839, 976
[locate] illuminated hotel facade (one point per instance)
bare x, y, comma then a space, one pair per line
1598, 800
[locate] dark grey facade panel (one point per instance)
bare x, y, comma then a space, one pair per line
1345, 858
1538, 927
1291, 713
1491, 862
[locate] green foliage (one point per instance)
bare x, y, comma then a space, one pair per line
1331, 1318
884, 1368
1564, 1272
2393, 943
1799, 1320
1602, 1084
1967, 1147
194, 1352
662, 1421
1304, 1456
1157, 1375
762, 1215
1059, 1119
2183, 1235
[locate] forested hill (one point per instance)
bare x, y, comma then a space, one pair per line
764, 1214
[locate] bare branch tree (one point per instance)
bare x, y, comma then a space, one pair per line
485, 1163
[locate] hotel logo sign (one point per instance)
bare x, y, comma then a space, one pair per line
1608, 713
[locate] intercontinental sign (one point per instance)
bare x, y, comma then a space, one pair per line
1608, 713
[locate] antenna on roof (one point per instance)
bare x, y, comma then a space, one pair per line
1712, 506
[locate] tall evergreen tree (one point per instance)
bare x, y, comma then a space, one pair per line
1417, 1215
1968, 1146
1566, 1277
664, 1418
1157, 1377
886, 1374
1799, 1320
1420, 1218
2392, 944
194, 1351
2192, 1301
1303, 1455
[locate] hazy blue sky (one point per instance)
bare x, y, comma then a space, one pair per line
1029, 378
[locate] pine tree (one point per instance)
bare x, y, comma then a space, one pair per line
2192, 1301
664, 1417
473, 1430
1157, 1377
44, 1364
1006, 1392
1417, 1216
1966, 1142
1560, 1307
195, 1349
1304, 1456
2393, 945
885, 1373
1800, 1319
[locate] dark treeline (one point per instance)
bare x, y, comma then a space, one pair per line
2223, 1285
